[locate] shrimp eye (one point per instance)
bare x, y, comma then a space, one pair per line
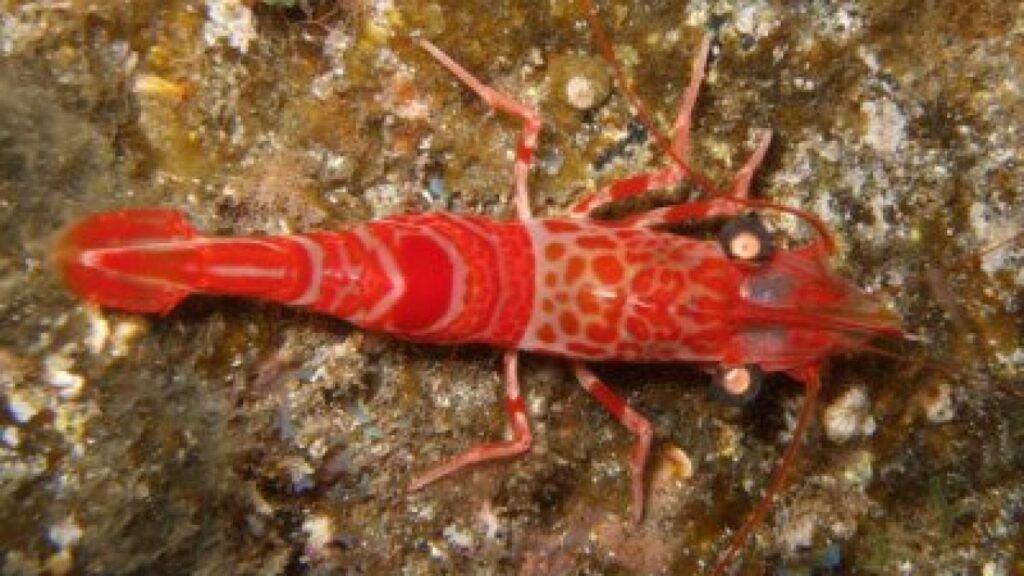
746, 238
737, 385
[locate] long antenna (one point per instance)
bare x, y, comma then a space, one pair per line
812, 385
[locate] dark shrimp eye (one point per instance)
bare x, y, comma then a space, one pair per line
746, 238
737, 385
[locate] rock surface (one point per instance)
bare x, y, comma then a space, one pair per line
236, 437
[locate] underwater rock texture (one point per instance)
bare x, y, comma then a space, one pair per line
239, 438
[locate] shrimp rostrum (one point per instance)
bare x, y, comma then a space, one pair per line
577, 287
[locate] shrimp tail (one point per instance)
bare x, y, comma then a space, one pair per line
111, 259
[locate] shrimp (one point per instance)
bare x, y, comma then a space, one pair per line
576, 287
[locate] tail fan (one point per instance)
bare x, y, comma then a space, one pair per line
128, 259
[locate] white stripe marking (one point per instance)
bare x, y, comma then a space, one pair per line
173, 245
342, 278
316, 265
538, 240
226, 271
387, 261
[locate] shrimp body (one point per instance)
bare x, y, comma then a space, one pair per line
575, 287
585, 290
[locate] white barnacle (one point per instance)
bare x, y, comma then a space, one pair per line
64, 533
21, 408
57, 373
849, 416
231, 21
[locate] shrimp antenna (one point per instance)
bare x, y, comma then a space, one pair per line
989, 249
935, 278
947, 368
816, 223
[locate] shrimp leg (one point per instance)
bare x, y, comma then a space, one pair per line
531, 123
682, 213
522, 438
633, 421
673, 174
666, 177
719, 206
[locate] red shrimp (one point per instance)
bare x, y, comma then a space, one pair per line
575, 287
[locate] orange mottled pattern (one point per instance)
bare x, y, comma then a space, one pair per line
606, 292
